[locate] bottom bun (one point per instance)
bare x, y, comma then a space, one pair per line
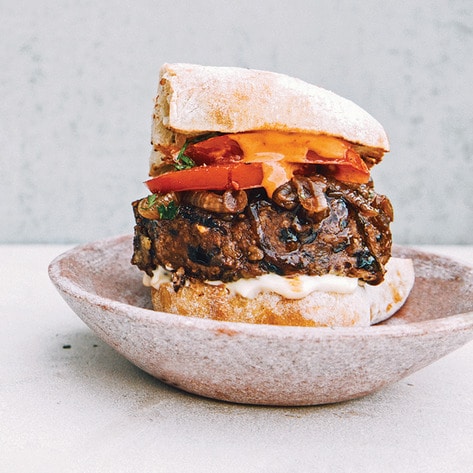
367, 305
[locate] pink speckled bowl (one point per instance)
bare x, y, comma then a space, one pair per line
262, 364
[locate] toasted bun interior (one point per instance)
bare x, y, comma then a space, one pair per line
366, 306
194, 99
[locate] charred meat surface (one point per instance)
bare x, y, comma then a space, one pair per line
313, 225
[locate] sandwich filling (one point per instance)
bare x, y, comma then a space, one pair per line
295, 287
240, 206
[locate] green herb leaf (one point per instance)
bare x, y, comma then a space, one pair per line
168, 212
183, 162
151, 200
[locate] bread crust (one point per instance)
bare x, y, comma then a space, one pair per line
194, 99
366, 306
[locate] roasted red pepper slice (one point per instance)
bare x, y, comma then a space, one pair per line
215, 177
215, 150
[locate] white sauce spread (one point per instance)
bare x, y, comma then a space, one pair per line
290, 287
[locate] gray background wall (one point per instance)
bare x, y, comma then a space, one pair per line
78, 78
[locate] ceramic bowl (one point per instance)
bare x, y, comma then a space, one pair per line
263, 364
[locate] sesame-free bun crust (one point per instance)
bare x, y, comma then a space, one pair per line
366, 306
194, 99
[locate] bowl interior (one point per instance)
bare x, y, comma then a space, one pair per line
443, 287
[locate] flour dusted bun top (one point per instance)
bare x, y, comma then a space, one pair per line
194, 99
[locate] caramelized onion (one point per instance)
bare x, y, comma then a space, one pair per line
230, 202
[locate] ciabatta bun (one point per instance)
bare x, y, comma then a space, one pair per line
366, 306
194, 99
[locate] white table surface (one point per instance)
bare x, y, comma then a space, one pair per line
70, 403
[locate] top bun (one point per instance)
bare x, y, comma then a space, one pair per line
194, 99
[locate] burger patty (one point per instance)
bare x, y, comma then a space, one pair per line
311, 225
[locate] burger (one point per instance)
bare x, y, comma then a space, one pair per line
260, 206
